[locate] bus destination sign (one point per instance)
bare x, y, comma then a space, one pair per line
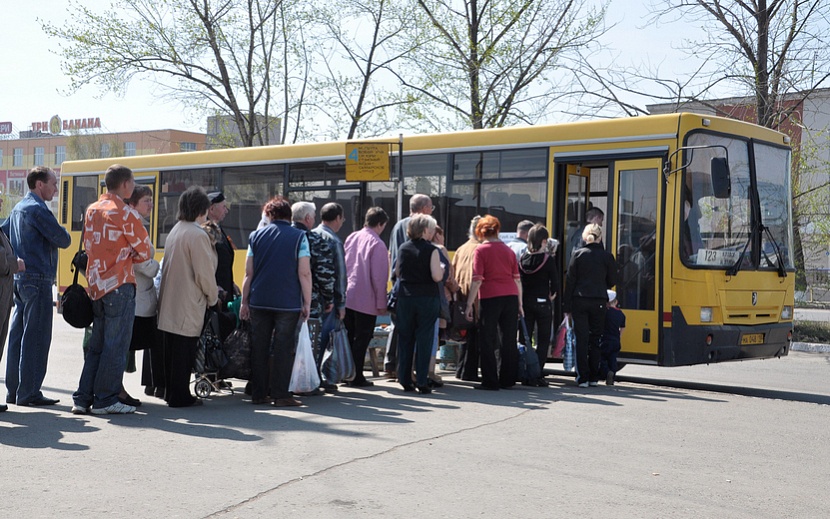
367, 162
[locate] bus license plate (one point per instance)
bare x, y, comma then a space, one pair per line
752, 338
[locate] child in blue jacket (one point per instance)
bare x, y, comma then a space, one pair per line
610, 342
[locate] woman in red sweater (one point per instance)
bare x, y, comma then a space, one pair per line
497, 283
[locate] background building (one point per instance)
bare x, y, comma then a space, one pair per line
50, 143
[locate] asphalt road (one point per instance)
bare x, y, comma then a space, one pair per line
738, 440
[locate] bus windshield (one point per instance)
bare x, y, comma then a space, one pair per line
773, 178
715, 230
718, 232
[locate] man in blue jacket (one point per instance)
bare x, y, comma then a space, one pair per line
36, 236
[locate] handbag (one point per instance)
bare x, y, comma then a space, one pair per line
529, 369
569, 353
338, 362
210, 357
559, 341
76, 304
304, 378
458, 311
237, 347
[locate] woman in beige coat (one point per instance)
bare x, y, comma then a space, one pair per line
9, 266
188, 288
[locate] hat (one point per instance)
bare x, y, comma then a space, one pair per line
216, 197
611, 295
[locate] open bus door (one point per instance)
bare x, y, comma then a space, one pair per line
635, 239
578, 181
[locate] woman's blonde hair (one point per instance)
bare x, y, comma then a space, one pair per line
592, 233
419, 224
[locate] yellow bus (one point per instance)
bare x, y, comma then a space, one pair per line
697, 212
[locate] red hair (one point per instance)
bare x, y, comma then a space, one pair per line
487, 227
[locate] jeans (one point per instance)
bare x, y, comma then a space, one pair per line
112, 329
29, 339
589, 323
540, 316
608, 353
274, 342
417, 318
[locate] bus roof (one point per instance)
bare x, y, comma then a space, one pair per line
653, 127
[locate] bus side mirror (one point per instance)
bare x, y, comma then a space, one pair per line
721, 181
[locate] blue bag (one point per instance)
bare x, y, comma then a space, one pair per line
529, 369
569, 354
338, 363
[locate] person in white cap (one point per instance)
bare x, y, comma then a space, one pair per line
610, 344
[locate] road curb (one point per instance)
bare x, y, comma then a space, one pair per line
810, 347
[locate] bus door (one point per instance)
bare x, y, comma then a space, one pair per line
149, 181
634, 236
578, 178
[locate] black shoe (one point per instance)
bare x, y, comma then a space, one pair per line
149, 390
486, 387
434, 384
408, 388
3, 407
316, 392
424, 390
159, 393
360, 383
40, 401
128, 400
329, 388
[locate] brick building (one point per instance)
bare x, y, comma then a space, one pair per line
50, 143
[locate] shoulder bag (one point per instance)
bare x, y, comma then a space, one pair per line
76, 305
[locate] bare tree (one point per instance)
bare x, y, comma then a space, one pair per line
489, 63
215, 56
360, 42
777, 51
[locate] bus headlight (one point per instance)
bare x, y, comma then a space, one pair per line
706, 314
786, 313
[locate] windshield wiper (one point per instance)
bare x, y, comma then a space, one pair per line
734, 269
782, 273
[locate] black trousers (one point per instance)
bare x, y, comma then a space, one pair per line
540, 316
589, 322
179, 357
273, 345
361, 329
499, 320
466, 367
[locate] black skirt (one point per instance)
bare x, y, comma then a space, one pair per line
144, 333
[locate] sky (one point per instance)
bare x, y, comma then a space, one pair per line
32, 85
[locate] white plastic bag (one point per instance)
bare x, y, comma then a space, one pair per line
304, 377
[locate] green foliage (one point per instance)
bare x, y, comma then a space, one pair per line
811, 331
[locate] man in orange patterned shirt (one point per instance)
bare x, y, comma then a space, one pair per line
114, 238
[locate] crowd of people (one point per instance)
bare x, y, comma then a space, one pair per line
294, 272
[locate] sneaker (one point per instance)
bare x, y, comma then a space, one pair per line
609, 379
593, 383
583, 384
116, 408
79, 409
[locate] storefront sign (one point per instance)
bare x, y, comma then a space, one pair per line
5, 128
56, 125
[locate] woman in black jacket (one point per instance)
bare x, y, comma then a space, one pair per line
591, 272
540, 284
